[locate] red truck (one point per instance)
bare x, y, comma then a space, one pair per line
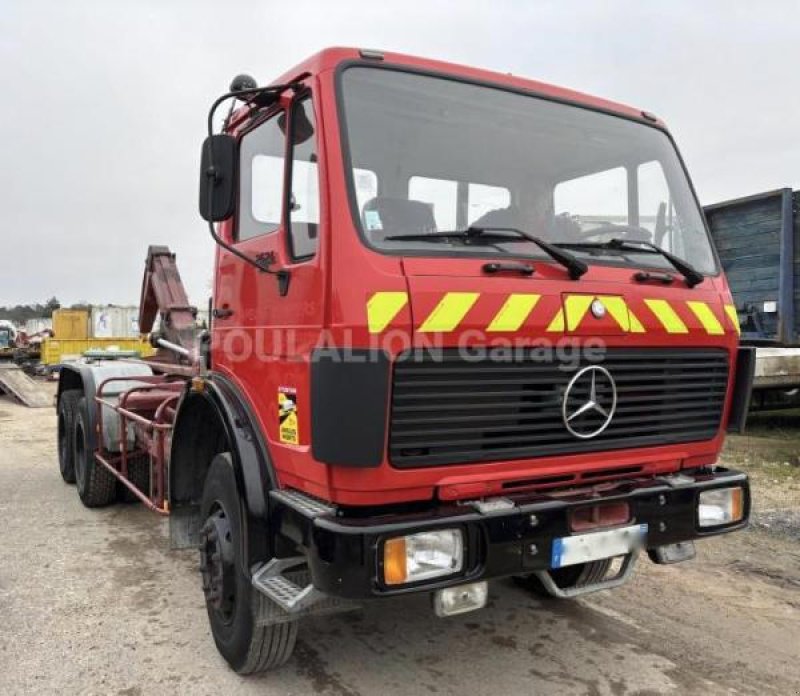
465, 326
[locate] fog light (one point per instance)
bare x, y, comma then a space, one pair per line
461, 599
422, 556
720, 506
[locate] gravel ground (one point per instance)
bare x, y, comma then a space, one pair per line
93, 602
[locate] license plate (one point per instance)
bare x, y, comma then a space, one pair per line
594, 546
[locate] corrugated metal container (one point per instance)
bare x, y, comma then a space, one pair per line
69, 324
55, 351
758, 242
111, 321
34, 326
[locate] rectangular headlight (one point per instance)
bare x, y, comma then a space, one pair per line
422, 556
720, 506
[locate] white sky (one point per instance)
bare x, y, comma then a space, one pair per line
104, 105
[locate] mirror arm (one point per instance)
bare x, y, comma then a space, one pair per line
256, 96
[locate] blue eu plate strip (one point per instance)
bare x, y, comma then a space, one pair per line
558, 549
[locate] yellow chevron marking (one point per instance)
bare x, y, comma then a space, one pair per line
447, 315
730, 310
666, 315
636, 325
621, 313
575, 307
557, 324
382, 307
703, 312
514, 312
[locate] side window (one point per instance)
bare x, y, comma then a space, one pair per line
304, 200
441, 194
261, 160
594, 200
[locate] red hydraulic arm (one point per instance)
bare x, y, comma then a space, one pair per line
163, 295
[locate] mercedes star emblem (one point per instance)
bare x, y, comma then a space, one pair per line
589, 402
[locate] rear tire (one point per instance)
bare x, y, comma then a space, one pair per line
230, 597
570, 576
139, 476
67, 408
96, 485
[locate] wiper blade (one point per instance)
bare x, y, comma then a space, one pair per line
574, 266
690, 273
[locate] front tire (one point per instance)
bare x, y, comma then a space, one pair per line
577, 575
230, 598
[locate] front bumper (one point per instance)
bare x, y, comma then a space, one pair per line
344, 551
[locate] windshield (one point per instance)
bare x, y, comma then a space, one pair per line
430, 154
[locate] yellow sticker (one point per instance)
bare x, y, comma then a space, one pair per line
288, 430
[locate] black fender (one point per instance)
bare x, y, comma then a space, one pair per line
79, 376
255, 475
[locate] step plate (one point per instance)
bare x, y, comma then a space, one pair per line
290, 596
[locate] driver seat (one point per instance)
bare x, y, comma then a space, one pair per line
383, 217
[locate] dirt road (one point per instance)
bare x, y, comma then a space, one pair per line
93, 602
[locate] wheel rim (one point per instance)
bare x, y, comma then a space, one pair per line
217, 564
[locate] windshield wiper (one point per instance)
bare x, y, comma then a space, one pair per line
574, 266
690, 273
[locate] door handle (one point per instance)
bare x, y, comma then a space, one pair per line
522, 268
222, 312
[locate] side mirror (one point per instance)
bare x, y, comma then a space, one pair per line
218, 178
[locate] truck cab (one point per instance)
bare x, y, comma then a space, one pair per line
465, 343
465, 326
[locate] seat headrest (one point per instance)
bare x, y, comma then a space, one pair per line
383, 217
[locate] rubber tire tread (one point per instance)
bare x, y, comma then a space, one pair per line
97, 486
247, 647
139, 476
67, 408
571, 576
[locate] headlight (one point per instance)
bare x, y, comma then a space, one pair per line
422, 556
720, 506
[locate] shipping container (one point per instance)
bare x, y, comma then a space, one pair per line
56, 351
111, 321
757, 242
71, 324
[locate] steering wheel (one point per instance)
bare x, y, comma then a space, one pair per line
631, 233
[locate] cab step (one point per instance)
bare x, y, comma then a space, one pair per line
307, 505
285, 593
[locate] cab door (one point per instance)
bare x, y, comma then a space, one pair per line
267, 323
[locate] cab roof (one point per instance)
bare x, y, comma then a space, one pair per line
330, 58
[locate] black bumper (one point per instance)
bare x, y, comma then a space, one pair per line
344, 551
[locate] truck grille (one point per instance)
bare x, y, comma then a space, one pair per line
448, 409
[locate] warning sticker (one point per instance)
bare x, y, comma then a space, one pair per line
287, 416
